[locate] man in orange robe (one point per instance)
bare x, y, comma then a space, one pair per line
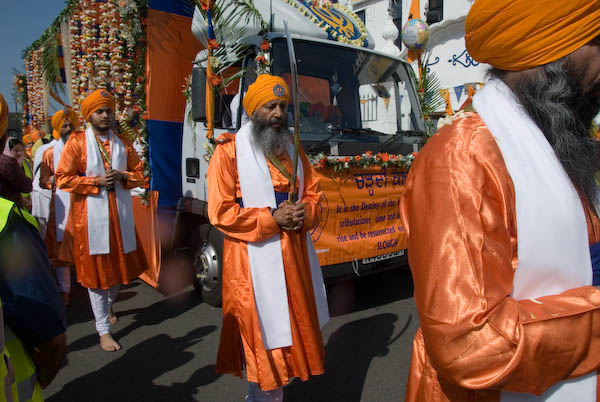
99, 168
63, 123
273, 295
501, 212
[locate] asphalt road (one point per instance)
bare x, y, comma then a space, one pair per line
170, 347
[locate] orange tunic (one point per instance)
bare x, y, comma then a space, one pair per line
46, 174
458, 210
97, 271
269, 368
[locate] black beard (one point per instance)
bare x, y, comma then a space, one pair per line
554, 99
269, 139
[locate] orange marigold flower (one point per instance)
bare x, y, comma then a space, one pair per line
369, 153
265, 46
346, 159
261, 59
414, 154
213, 44
384, 157
357, 158
215, 80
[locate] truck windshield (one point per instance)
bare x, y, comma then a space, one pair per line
351, 100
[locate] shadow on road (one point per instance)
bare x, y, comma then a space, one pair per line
131, 377
154, 314
364, 293
348, 355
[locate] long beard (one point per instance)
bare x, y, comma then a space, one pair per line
269, 139
554, 100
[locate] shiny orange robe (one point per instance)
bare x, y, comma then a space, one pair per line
458, 210
269, 368
97, 271
52, 245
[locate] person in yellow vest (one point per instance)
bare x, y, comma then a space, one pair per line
34, 314
8, 386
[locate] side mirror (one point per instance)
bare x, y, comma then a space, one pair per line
199, 98
198, 94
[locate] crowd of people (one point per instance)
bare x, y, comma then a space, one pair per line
71, 207
500, 208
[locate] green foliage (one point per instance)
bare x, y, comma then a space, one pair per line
428, 92
230, 19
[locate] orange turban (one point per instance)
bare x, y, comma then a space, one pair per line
59, 119
27, 139
3, 116
265, 89
94, 101
521, 34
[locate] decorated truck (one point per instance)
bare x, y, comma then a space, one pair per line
360, 123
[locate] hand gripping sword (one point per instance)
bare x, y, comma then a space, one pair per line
296, 99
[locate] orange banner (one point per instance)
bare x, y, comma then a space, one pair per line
360, 215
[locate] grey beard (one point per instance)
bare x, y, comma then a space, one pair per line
269, 139
553, 98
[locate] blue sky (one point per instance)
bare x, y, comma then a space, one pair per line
21, 23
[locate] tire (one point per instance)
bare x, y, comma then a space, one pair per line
206, 248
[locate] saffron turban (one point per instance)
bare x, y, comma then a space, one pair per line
3, 116
265, 89
521, 34
27, 139
94, 101
59, 118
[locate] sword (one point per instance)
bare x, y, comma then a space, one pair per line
296, 99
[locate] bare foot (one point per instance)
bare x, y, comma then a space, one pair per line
112, 317
108, 343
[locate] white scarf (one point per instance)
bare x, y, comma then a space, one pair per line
62, 199
98, 220
553, 244
40, 197
266, 260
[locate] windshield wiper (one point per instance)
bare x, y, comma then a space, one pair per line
398, 136
350, 130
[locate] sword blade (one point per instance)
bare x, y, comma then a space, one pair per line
296, 101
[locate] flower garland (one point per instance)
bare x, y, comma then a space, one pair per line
364, 161
263, 59
36, 116
303, 8
20, 88
108, 48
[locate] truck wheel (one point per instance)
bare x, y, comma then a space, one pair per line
207, 255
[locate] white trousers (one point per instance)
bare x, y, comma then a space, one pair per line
102, 300
63, 276
255, 394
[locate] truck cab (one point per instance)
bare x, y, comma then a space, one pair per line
353, 100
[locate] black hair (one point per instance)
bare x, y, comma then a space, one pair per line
12, 142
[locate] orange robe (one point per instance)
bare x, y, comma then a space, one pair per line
458, 210
97, 271
52, 245
269, 368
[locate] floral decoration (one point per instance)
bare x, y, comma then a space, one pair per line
107, 43
364, 161
20, 92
